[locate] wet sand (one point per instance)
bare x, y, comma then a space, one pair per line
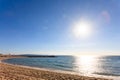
15, 72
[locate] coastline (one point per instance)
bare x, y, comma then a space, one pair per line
17, 72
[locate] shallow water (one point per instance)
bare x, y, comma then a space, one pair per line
86, 65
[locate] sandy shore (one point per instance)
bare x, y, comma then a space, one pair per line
15, 72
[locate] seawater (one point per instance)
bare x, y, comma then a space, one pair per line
86, 65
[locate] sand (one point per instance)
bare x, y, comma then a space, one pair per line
15, 72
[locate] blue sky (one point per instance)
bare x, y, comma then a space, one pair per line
45, 26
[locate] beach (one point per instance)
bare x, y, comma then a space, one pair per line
16, 72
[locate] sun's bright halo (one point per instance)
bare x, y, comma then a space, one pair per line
82, 29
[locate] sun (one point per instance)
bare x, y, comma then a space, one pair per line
82, 29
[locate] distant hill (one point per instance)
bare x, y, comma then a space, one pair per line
35, 55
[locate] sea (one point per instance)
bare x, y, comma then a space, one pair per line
108, 66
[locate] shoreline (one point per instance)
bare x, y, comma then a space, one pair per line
34, 73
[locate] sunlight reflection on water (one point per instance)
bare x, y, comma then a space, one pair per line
86, 64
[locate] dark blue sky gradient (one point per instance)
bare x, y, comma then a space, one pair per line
36, 26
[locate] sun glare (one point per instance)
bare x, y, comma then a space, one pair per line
82, 29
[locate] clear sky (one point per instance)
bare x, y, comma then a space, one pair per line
46, 26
